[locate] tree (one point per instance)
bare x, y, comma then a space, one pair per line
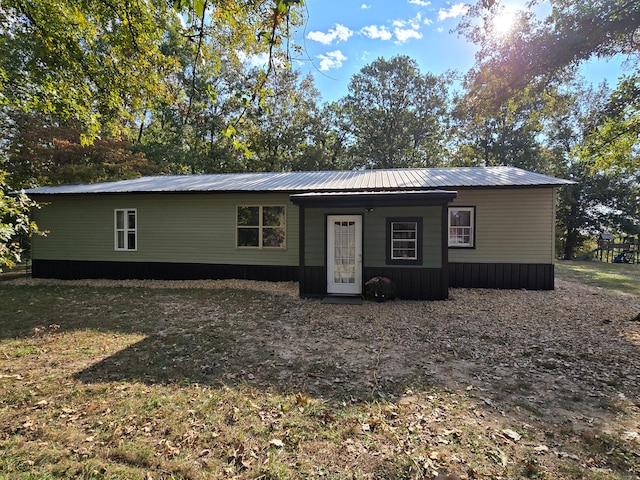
506, 134
538, 54
600, 200
397, 114
38, 152
281, 133
102, 63
15, 223
614, 137
329, 141
536, 50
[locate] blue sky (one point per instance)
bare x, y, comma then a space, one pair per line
342, 36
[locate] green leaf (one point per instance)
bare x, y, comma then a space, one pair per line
199, 7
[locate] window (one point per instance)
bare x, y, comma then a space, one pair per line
261, 226
462, 227
126, 228
404, 240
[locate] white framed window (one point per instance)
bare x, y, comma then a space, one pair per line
462, 227
404, 240
126, 229
261, 226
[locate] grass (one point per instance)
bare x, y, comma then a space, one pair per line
621, 277
134, 383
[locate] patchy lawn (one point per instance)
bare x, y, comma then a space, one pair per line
621, 277
236, 379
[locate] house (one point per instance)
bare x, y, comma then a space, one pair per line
426, 229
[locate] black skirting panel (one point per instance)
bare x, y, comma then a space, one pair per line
531, 276
313, 281
411, 283
69, 269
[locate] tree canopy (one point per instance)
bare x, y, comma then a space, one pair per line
543, 51
536, 50
104, 63
397, 114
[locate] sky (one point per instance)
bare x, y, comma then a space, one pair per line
342, 36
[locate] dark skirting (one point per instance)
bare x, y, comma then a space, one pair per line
71, 269
530, 276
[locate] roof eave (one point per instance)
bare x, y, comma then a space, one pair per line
374, 199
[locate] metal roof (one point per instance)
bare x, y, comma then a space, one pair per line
323, 181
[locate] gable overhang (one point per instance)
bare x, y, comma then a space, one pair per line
373, 199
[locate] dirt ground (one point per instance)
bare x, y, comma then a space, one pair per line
570, 354
567, 359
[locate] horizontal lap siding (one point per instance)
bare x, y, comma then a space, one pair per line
512, 226
187, 228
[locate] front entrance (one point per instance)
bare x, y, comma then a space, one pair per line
344, 254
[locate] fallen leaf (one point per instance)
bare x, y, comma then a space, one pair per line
513, 435
276, 442
630, 435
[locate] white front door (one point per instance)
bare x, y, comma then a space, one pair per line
344, 254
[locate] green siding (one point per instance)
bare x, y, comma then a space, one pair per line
512, 226
374, 238
189, 228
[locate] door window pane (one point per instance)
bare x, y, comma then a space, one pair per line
344, 270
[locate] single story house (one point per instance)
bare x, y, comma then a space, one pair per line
426, 229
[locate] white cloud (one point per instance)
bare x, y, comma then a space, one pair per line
404, 34
340, 33
407, 29
455, 11
373, 31
422, 3
364, 6
331, 60
416, 21
413, 23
